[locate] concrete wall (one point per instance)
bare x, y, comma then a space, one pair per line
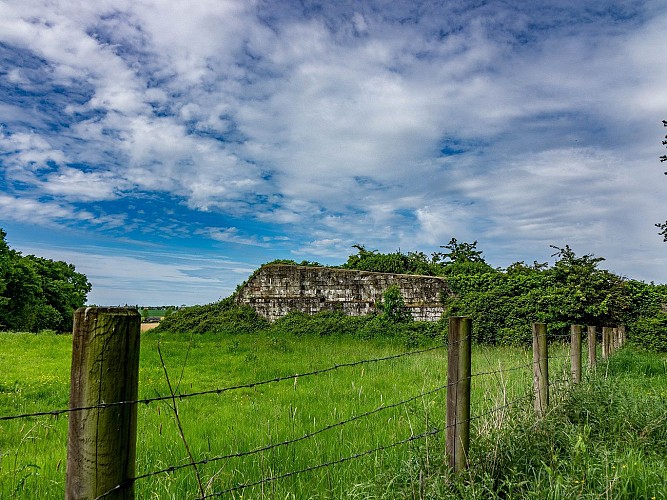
278, 289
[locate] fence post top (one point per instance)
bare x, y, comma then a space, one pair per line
115, 311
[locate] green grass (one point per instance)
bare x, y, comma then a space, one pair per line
511, 455
606, 438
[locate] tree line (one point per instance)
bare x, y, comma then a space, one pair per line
503, 303
38, 294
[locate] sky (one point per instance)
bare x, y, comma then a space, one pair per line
167, 148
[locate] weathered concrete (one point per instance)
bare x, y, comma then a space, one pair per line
278, 289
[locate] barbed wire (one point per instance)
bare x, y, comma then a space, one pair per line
563, 380
283, 443
423, 435
528, 395
360, 454
221, 390
503, 370
559, 335
319, 431
249, 385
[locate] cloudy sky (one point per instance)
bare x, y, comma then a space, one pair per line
169, 147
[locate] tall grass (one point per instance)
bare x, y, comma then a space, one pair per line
504, 451
606, 438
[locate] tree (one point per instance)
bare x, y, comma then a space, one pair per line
583, 293
664, 143
462, 258
663, 226
38, 293
396, 262
460, 252
393, 306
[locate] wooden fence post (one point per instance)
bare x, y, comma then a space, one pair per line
458, 392
606, 340
621, 330
614, 340
575, 353
592, 355
101, 442
540, 369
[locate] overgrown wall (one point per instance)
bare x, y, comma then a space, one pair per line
275, 290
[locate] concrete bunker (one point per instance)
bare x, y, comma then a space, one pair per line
277, 289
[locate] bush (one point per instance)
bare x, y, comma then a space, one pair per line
393, 306
189, 318
649, 333
323, 323
237, 320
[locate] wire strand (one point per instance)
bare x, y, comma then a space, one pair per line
277, 445
218, 390
326, 464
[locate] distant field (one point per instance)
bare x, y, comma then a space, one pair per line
148, 326
155, 312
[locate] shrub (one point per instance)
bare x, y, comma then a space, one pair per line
237, 320
649, 333
323, 323
393, 306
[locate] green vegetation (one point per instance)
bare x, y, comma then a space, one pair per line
604, 438
36, 293
501, 302
226, 318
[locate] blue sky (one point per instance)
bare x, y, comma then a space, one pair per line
167, 148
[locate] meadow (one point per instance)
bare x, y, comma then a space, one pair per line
607, 437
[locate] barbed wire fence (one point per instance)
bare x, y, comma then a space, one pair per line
124, 409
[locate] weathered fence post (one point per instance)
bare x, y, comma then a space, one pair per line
592, 355
575, 353
101, 442
614, 340
621, 330
606, 340
540, 369
458, 392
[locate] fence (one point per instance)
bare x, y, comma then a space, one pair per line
104, 397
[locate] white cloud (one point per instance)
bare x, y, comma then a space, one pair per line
232, 235
330, 124
332, 248
74, 184
34, 212
147, 279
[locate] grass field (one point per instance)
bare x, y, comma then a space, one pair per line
607, 438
